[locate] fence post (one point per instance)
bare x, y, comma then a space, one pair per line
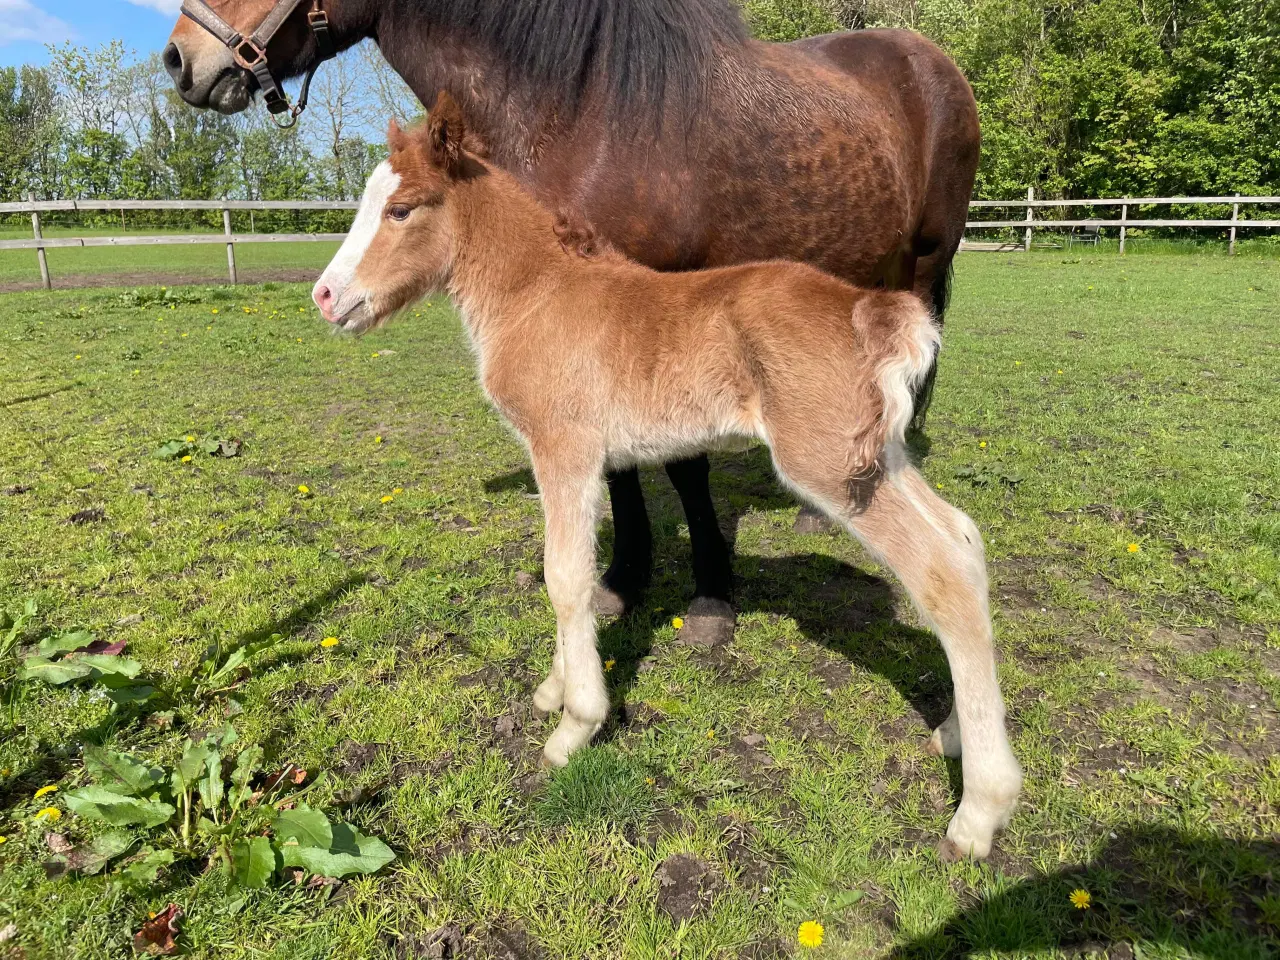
1124, 219
1026, 240
40, 254
231, 247
1235, 217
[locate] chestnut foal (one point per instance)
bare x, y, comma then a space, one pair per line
600, 363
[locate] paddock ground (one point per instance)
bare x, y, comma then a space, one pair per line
1135, 398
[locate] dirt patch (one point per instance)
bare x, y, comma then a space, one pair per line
356, 756
509, 942
754, 868
811, 724
639, 717
687, 886
90, 515
728, 666
772, 949
71, 281
490, 677
666, 823
443, 943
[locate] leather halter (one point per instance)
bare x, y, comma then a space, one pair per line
251, 52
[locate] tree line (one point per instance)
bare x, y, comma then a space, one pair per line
1077, 98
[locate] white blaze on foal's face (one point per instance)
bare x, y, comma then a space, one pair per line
340, 298
400, 247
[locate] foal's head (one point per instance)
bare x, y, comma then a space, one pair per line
401, 245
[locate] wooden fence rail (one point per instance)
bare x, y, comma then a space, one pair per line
1027, 224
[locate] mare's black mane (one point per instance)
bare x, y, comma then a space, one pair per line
637, 53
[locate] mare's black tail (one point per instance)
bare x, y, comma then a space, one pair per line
940, 296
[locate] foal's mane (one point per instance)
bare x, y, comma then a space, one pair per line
639, 54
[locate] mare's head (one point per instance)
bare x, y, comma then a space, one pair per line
206, 74
401, 245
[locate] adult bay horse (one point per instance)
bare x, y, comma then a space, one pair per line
686, 143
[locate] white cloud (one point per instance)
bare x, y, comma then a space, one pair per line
20, 20
164, 6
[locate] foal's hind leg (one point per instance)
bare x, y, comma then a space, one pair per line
936, 551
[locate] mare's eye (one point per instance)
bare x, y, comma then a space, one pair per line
398, 212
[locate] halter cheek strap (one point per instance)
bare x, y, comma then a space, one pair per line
251, 52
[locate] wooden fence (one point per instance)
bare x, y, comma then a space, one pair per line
1026, 225
1029, 223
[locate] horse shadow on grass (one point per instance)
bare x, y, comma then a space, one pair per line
1179, 891
833, 603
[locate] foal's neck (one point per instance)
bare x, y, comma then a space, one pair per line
506, 255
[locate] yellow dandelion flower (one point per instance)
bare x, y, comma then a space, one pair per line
609, 665
52, 814
377, 439
299, 339
77, 356
303, 489
329, 642
677, 622
938, 485
190, 438
1059, 373
3, 839
650, 781
711, 734
1133, 548
810, 934
51, 788
397, 491
187, 458
982, 444
1017, 363
1081, 899
215, 310
387, 499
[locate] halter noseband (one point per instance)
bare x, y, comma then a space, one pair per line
251, 52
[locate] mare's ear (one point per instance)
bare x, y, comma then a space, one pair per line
396, 138
445, 133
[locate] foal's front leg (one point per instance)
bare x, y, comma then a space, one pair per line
570, 497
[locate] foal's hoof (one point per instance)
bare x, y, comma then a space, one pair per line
709, 623
809, 520
607, 603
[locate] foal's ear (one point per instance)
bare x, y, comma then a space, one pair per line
445, 133
396, 138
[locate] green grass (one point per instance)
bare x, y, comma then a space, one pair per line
1137, 397
69, 265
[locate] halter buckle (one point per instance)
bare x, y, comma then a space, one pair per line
248, 54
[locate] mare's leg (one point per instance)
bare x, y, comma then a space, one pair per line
569, 488
710, 617
628, 575
936, 551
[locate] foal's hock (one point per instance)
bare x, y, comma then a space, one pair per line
598, 362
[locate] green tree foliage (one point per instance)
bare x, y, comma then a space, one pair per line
1076, 98
1108, 97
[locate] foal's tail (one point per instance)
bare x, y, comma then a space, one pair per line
902, 343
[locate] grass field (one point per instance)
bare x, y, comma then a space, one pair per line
1134, 577
71, 266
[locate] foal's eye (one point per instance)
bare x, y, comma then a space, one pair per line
398, 212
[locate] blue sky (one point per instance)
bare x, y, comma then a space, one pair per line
27, 25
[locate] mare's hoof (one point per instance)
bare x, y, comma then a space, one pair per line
709, 623
607, 603
812, 521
